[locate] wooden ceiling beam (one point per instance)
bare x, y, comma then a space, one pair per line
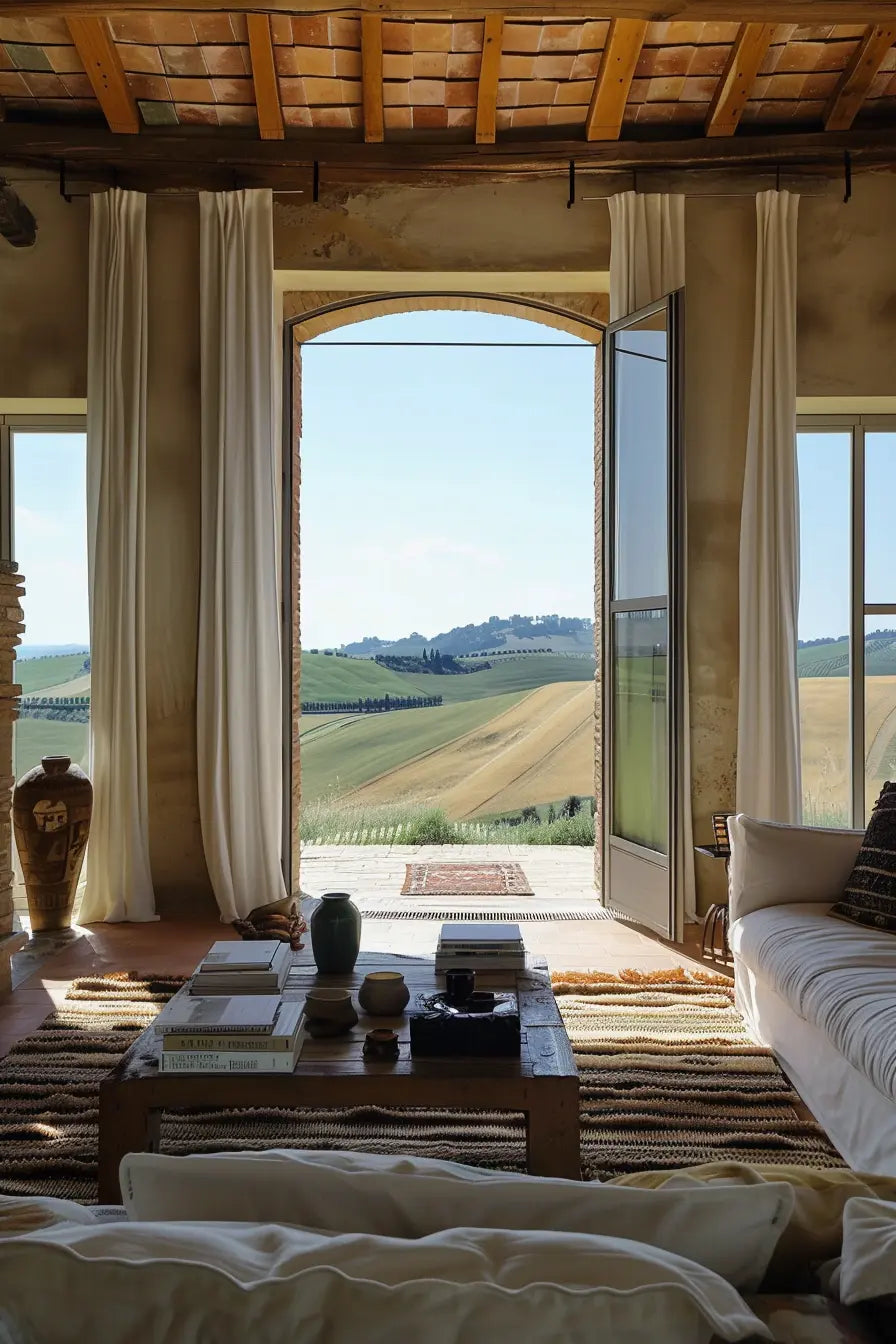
264, 77
855, 82
489, 70
737, 80
372, 78
102, 65
614, 79
740, 11
245, 156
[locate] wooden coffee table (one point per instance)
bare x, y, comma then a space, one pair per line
543, 1083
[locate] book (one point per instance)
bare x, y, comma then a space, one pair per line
240, 956
484, 961
229, 1061
227, 980
476, 937
248, 1013
281, 1037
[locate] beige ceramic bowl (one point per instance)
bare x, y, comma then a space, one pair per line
384, 994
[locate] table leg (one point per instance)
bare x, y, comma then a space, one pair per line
127, 1125
552, 1130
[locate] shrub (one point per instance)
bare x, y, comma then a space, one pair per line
430, 827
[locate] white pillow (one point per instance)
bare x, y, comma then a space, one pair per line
868, 1262
28, 1213
196, 1283
731, 1230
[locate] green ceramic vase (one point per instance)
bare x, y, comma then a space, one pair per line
335, 933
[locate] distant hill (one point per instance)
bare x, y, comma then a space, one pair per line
560, 634
48, 650
830, 658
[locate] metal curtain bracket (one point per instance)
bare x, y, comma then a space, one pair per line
847, 177
62, 191
572, 185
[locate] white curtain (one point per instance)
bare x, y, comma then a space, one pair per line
240, 710
768, 724
118, 881
647, 251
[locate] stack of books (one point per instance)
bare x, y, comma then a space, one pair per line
485, 947
243, 968
246, 1034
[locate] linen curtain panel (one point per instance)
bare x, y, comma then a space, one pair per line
646, 249
240, 708
118, 881
768, 723
646, 263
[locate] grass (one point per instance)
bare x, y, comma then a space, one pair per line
333, 678
327, 823
351, 752
35, 738
38, 674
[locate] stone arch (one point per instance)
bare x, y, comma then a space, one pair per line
308, 314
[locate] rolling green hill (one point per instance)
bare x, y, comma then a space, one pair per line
832, 659
329, 678
326, 678
352, 751
38, 674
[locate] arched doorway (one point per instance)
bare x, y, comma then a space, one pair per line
305, 324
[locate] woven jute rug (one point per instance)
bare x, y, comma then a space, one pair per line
668, 1079
465, 879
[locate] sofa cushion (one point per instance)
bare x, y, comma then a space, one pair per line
870, 894
839, 976
196, 1283
868, 1264
732, 1232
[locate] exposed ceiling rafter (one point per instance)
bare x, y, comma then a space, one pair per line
264, 77
736, 83
372, 78
102, 65
487, 93
852, 90
614, 79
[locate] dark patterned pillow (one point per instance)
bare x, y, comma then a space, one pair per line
870, 895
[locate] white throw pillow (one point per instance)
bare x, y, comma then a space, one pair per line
868, 1262
27, 1213
730, 1230
197, 1283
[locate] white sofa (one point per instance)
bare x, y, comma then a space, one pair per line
820, 991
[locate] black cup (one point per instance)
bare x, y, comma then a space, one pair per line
459, 985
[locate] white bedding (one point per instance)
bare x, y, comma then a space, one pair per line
838, 976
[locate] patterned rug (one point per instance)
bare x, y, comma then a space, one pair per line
668, 1079
465, 879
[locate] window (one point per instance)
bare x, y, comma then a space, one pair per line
44, 529
847, 622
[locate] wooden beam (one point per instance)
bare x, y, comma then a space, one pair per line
855, 82
199, 157
99, 56
372, 77
487, 95
614, 79
749, 11
737, 80
264, 77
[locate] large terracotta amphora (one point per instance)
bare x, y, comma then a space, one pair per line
51, 808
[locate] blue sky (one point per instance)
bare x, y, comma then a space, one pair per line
443, 486
51, 535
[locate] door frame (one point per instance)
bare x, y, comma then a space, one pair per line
673, 923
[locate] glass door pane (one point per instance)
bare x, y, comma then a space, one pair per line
825, 466
641, 416
880, 492
880, 706
640, 796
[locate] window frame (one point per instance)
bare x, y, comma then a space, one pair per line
856, 426
49, 423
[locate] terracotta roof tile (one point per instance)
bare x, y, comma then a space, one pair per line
508, 93
560, 37
461, 93
311, 32
336, 118
594, 34
461, 117
191, 90
348, 62
566, 116
397, 118
670, 114
664, 90
811, 56
396, 93
233, 60
5, 62
430, 64
553, 66
516, 67
397, 66
699, 89
430, 118
310, 60
281, 30
183, 61
502, 119
432, 36
292, 92
575, 93
140, 60
43, 85
48, 31
213, 29
12, 84
467, 36
773, 110
528, 116
463, 65
708, 60
586, 65
64, 60
196, 114
426, 92
345, 32
335, 92
15, 30
536, 92
78, 86
297, 116
398, 37
638, 91
236, 114
27, 56
173, 29
521, 37
150, 87
233, 91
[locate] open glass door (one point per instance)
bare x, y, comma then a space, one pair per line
641, 671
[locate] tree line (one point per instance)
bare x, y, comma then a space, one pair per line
370, 704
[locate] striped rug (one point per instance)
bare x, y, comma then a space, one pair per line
668, 1079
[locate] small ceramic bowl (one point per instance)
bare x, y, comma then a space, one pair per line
329, 1012
384, 994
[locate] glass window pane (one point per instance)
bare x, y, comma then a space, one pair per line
880, 491
640, 463
823, 628
640, 798
880, 706
53, 663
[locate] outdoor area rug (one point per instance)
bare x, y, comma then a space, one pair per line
669, 1079
465, 879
